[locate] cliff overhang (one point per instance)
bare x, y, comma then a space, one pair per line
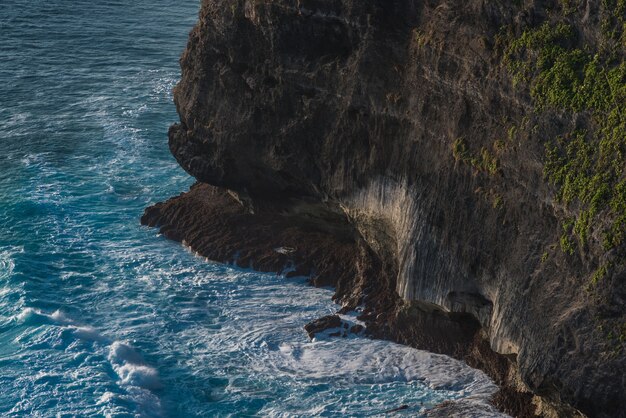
412, 155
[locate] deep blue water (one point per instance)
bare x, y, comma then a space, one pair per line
100, 316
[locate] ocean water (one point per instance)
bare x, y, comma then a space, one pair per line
100, 316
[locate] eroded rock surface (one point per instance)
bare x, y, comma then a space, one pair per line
341, 137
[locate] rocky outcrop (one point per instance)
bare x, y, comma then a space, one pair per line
322, 324
385, 143
297, 237
301, 238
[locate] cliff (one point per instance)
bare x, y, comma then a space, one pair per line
456, 167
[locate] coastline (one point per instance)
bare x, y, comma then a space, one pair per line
324, 247
429, 177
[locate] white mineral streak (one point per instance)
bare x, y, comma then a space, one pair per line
389, 203
388, 214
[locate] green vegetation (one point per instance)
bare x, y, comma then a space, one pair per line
567, 245
498, 202
512, 132
485, 161
616, 334
460, 151
588, 167
600, 273
420, 38
568, 6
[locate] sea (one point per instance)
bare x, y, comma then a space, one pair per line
103, 317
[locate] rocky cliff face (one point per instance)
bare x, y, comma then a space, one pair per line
398, 128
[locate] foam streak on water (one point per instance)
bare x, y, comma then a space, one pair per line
101, 317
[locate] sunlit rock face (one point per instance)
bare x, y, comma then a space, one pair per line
362, 106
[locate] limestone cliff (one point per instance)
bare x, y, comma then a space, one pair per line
419, 135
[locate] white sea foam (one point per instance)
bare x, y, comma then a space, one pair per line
59, 317
106, 397
120, 353
131, 367
32, 316
139, 375
128, 364
88, 333
7, 265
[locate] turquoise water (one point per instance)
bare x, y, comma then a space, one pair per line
100, 316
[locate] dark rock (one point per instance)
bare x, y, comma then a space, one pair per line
332, 124
345, 309
322, 324
515, 402
356, 329
461, 408
398, 409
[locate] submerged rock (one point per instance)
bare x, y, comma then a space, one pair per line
400, 408
322, 324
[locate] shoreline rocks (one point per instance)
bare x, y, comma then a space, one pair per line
216, 225
383, 148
